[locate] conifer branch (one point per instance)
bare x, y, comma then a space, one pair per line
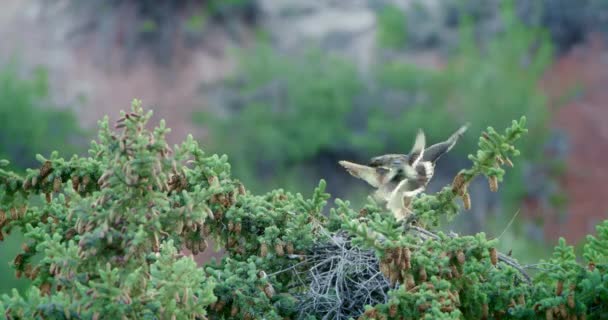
495, 150
109, 230
501, 256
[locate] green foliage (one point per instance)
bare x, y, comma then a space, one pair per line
105, 218
10, 248
282, 100
110, 227
29, 124
596, 248
482, 84
495, 150
392, 32
98, 230
289, 112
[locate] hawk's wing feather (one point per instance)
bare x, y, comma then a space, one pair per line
434, 152
374, 176
388, 160
418, 149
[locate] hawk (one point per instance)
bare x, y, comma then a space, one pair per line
398, 178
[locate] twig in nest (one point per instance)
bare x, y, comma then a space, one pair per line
342, 279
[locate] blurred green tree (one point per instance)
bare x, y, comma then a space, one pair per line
392, 27
483, 83
287, 110
29, 124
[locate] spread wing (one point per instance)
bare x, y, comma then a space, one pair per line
434, 152
388, 160
418, 149
372, 175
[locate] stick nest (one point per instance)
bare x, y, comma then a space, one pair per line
341, 280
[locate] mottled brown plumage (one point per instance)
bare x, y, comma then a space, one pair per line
398, 178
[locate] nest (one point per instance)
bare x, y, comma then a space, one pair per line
341, 280
338, 279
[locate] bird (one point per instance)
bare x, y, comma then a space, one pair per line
432, 153
395, 181
398, 178
426, 167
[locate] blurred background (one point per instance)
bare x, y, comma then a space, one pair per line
286, 88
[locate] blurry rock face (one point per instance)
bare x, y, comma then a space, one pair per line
350, 24
91, 75
343, 26
349, 27
583, 117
